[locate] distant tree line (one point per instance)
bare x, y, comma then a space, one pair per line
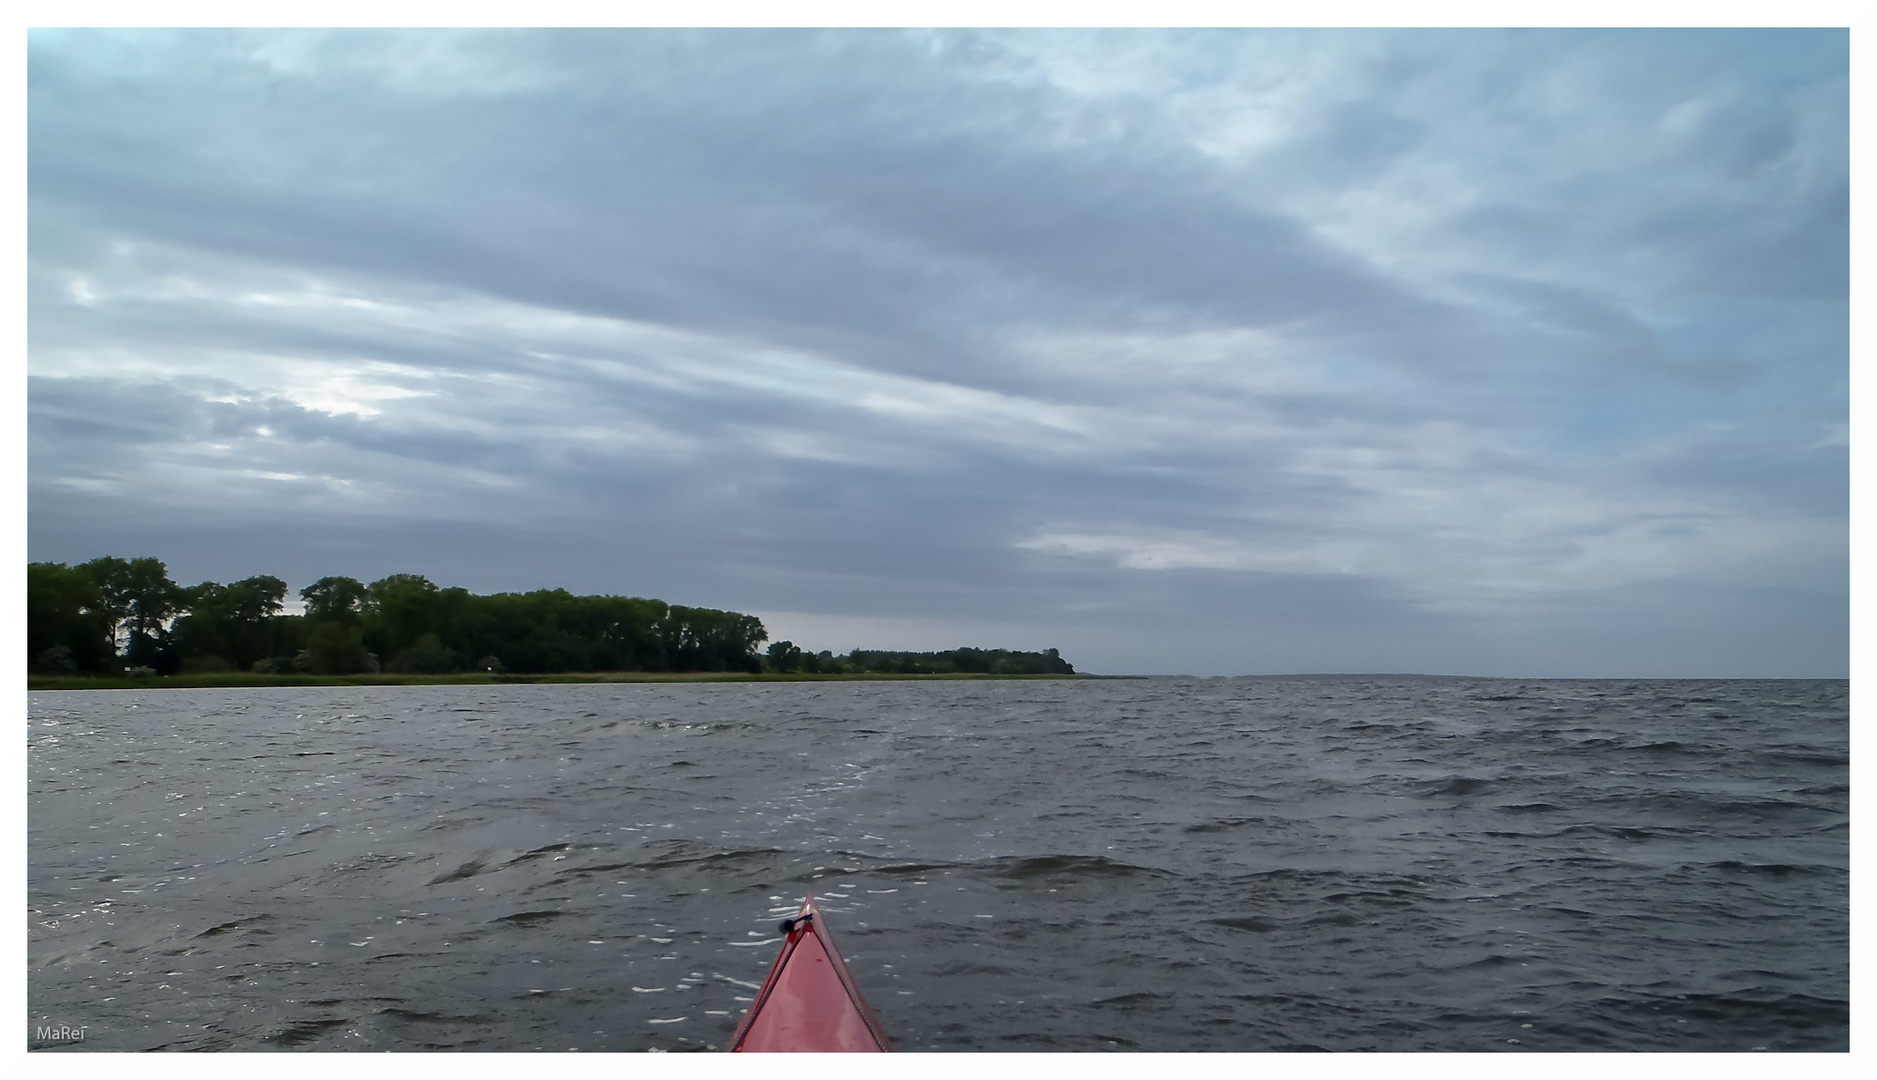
784, 656
111, 615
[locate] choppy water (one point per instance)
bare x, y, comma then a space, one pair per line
1262, 864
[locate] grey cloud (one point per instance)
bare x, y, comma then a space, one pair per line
969, 326
844, 220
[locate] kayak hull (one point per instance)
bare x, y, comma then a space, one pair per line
809, 1003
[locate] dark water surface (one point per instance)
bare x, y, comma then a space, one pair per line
1165, 864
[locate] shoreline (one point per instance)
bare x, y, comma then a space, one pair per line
249, 680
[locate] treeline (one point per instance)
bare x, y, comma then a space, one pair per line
110, 615
783, 656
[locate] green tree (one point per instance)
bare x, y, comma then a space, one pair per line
702, 639
553, 630
68, 628
784, 656
333, 627
231, 623
426, 655
404, 608
138, 599
336, 599
333, 648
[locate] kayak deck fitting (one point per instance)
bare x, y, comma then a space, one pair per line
809, 1003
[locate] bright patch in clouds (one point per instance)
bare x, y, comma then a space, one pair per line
1183, 553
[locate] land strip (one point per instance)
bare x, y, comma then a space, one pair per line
245, 679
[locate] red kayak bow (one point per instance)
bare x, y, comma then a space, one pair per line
809, 1003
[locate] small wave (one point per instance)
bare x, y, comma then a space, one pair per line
302, 1032
1459, 785
913, 868
1139, 997
1671, 747
1756, 1014
550, 849
1065, 866
528, 918
241, 926
673, 854
413, 1016
1705, 807
1806, 756
1620, 832
966, 967
465, 870
1248, 923
1224, 824
1335, 885
349, 870
1766, 869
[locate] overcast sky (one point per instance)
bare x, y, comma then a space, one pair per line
1229, 352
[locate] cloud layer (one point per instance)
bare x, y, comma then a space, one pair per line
1208, 352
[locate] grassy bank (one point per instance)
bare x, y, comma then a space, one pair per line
233, 679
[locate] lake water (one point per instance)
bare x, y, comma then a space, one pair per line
1161, 864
